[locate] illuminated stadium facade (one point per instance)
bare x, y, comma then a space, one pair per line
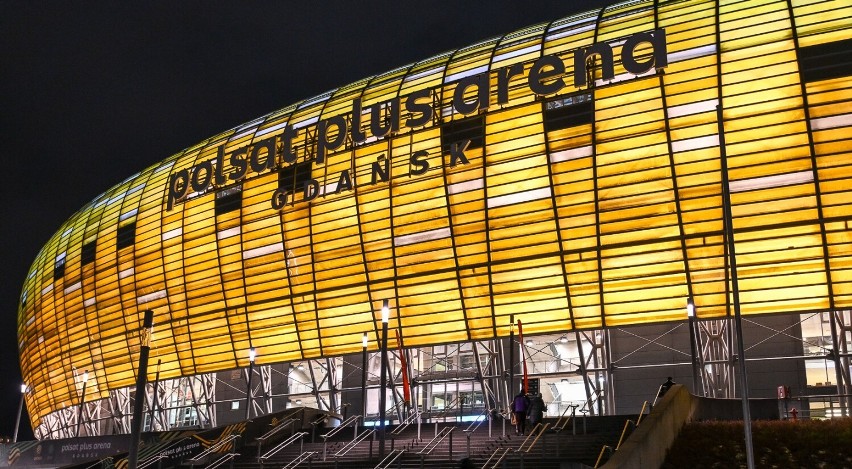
568, 177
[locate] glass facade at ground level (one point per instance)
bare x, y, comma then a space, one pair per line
569, 175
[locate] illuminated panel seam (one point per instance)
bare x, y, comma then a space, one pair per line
262, 251
423, 236
842, 120
571, 154
465, 186
767, 182
692, 108
695, 143
519, 197
151, 297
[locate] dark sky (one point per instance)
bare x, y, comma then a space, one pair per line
93, 91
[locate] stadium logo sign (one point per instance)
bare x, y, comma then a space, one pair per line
472, 94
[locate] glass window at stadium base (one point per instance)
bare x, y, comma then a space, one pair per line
547, 200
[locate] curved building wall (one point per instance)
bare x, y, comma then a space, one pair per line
493, 181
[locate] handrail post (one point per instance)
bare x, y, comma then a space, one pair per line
641, 413
600, 455
624, 432
451, 446
574, 420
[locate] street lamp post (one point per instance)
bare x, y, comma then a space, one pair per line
20, 411
82, 402
141, 378
252, 354
364, 376
155, 396
512, 358
728, 217
693, 345
384, 378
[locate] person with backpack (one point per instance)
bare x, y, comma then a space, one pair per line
520, 405
536, 409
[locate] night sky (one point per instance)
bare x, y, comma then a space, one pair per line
92, 92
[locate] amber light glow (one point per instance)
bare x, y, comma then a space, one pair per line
591, 207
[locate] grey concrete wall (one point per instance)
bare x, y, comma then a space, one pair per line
635, 382
647, 445
630, 348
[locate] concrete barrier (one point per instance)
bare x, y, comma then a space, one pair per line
646, 447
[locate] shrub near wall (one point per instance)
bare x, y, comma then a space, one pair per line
782, 444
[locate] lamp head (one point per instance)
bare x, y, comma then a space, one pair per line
690, 307
385, 312
252, 354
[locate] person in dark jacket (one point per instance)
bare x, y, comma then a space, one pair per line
520, 405
536, 409
666, 386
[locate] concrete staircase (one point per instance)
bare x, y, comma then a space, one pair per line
556, 450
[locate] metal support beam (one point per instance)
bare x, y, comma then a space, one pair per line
716, 360
596, 368
841, 330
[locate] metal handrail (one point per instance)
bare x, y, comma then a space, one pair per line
227, 457
319, 419
281, 425
604, 448
336, 430
352, 444
439, 438
536, 432
587, 405
414, 417
446, 410
339, 428
391, 458
212, 449
300, 459
657, 396
641, 413
157, 453
571, 418
503, 452
99, 462
476, 424
150, 461
272, 432
478, 421
289, 441
624, 432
